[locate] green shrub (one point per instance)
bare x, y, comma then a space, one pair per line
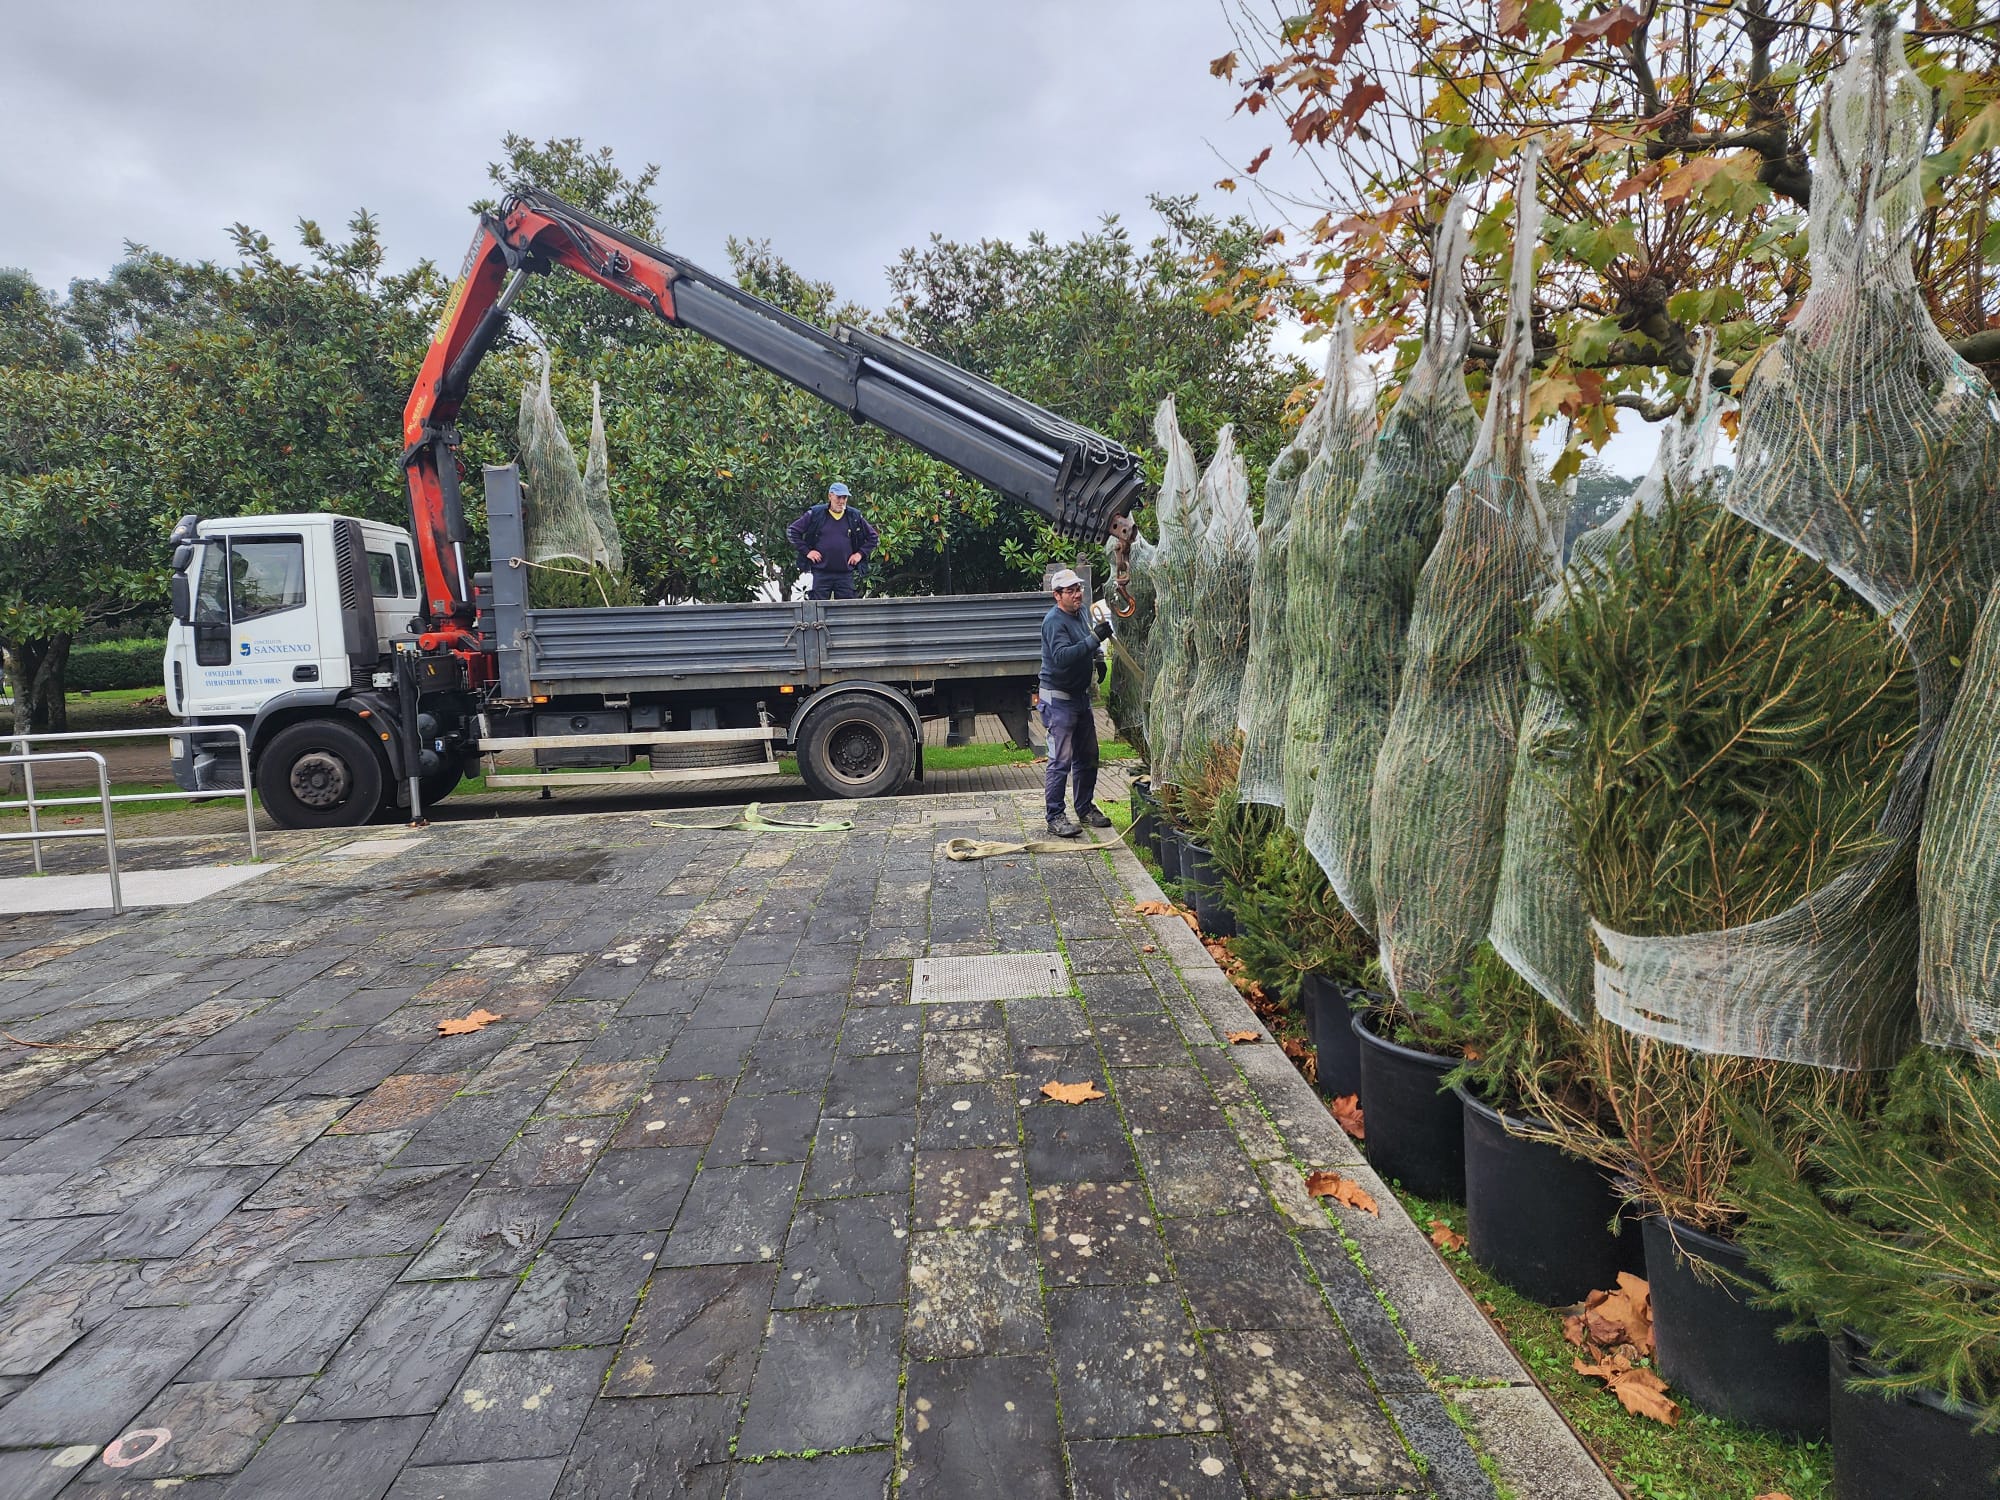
108, 666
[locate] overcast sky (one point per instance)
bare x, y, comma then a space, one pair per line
840, 130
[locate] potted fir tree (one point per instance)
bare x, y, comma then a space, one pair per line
1886, 1234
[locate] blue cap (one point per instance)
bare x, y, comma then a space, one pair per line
836, 489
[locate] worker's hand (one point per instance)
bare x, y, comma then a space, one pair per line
1103, 630
813, 557
854, 561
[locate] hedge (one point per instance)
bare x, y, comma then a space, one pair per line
104, 666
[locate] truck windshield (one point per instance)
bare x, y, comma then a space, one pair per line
248, 578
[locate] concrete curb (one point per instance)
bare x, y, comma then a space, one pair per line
1535, 1450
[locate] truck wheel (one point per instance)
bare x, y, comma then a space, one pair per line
857, 745
320, 773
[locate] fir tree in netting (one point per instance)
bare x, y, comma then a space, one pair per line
1540, 926
1439, 799
1182, 522
1319, 506
1225, 561
1125, 699
1869, 447
1958, 862
1362, 594
1264, 706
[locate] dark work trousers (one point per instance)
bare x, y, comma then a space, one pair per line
831, 585
1072, 743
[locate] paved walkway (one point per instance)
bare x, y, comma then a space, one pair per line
715, 1208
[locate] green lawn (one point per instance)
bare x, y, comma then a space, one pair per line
1703, 1458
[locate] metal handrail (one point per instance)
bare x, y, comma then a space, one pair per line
34, 804
104, 800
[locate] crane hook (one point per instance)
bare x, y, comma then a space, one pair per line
1124, 531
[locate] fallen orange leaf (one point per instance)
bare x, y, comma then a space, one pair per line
1155, 908
1072, 1093
1341, 1190
1445, 1237
1238, 1038
1774, 1495
477, 1021
1148, 948
1346, 1111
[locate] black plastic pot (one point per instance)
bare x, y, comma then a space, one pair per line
1917, 1446
1416, 1132
1329, 1011
1198, 870
1145, 818
1170, 850
1536, 1218
1720, 1352
1216, 919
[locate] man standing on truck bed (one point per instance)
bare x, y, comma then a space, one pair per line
1069, 672
834, 540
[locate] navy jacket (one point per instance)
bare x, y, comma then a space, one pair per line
835, 541
1069, 653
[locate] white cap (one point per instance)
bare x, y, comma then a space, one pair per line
1067, 578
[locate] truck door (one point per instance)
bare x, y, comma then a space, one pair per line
253, 636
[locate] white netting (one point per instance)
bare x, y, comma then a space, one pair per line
1359, 592
1319, 506
1866, 444
1131, 666
1539, 924
1440, 794
597, 486
1264, 707
558, 515
1958, 867
1225, 558
1182, 522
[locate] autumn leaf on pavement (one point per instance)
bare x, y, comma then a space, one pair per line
479, 1020
1155, 908
1341, 1190
1346, 1111
1239, 1038
1072, 1093
1445, 1237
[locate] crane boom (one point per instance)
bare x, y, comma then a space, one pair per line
1084, 483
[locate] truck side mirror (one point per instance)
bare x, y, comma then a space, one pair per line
183, 598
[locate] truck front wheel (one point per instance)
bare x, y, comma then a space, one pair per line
856, 745
320, 773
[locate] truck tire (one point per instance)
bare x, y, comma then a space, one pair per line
320, 773
856, 745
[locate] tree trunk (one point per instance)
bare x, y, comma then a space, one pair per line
36, 670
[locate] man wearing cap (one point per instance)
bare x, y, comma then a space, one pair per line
1069, 672
835, 541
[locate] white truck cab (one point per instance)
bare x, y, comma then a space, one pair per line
271, 610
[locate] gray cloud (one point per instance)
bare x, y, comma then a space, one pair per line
841, 131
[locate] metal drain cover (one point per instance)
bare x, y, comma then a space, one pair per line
998, 976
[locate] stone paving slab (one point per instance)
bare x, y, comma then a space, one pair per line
714, 1209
